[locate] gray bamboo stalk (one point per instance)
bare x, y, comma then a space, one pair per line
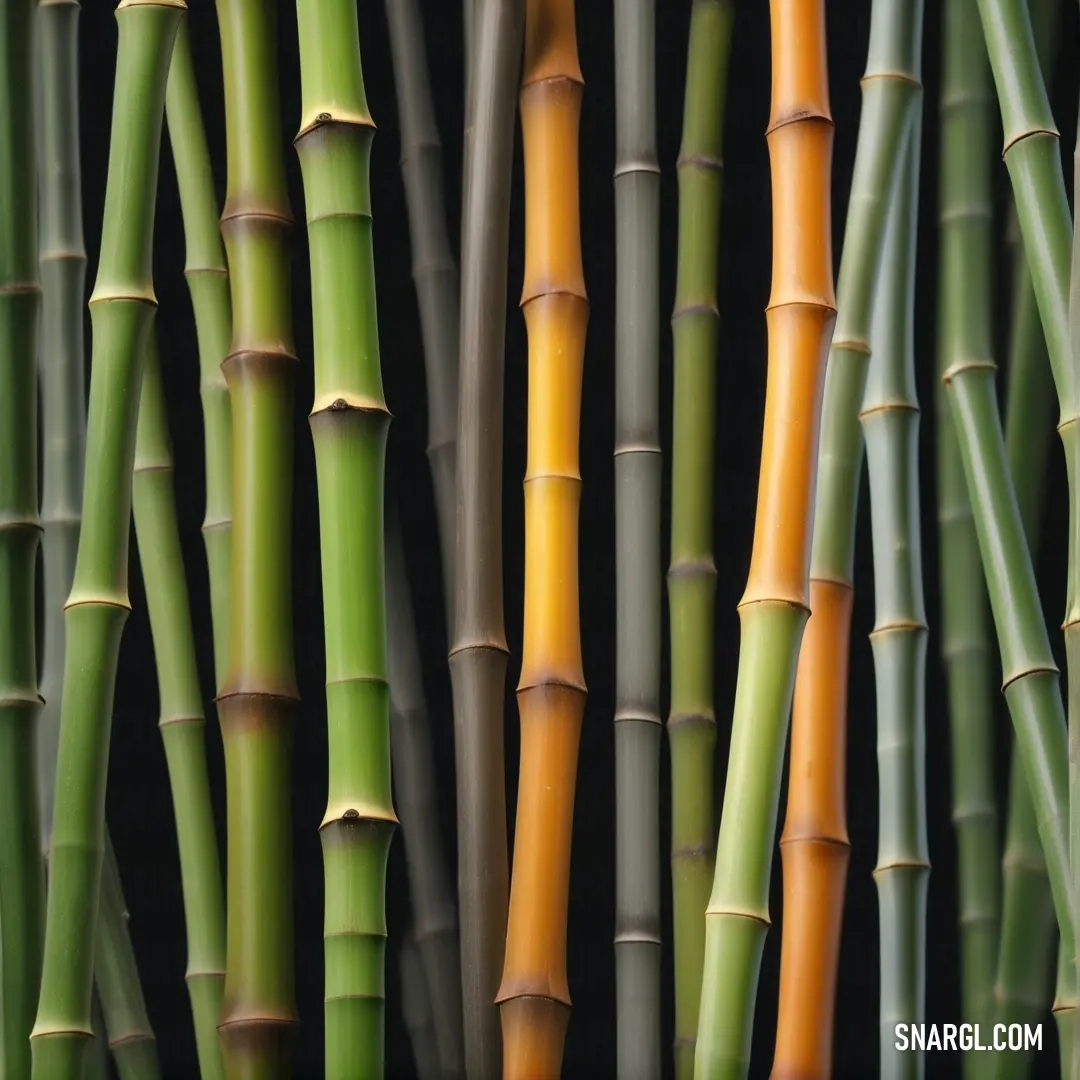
434, 273
416, 1009
416, 799
638, 723
479, 654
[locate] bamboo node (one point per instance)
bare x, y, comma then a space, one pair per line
691, 719
919, 865
636, 448
688, 310
19, 701
1035, 669
43, 1031
963, 367
900, 76
21, 288
853, 345
342, 118
482, 645
1017, 139
130, 1037
184, 718
890, 407
736, 913
789, 839
637, 165
338, 401
899, 626
799, 116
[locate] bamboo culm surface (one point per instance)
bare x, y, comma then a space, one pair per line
638, 723
691, 579
257, 694
181, 723
534, 998
814, 843
478, 656
22, 878
121, 307
890, 419
349, 425
773, 610
965, 215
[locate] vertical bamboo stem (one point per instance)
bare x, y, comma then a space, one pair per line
479, 654
349, 425
257, 695
121, 309
773, 610
637, 538
22, 879
814, 843
691, 578
534, 998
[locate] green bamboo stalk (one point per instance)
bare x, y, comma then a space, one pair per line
691, 578
416, 1009
434, 931
1027, 911
208, 285
181, 723
257, 695
1030, 676
1032, 156
349, 425
121, 309
479, 653
131, 1039
890, 420
638, 722
22, 879
97, 1061
436, 280
965, 216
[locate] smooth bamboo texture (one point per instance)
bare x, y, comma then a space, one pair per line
181, 722
814, 842
434, 915
435, 277
257, 695
123, 1010
22, 877
774, 608
1032, 156
121, 308
1025, 950
207, 279
638, 721
890, 419
691, 578
534, 998
965, 214
349, 425
479, 653
416, 1010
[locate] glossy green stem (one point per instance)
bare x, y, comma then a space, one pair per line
181, 715
257, 695
208, 285
349, 425
890, 420
22, 879
964, 325
121, 308
691, 578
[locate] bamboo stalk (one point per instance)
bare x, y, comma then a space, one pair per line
1027, 913
434, 931
416, 1009
435, 277
22, 879
121, 307
130, 1037
257, 695
208, 285
965, 215
97, 1059
773, 611
181, 715
479, 654
691, 578
638, 723
533, 998
890, 419
814, 843
349, 425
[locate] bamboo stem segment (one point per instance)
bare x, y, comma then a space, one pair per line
257, 695
534, 999
691, 579
774, 608
479, 653
121, 309
349, 425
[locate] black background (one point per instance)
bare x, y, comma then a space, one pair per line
139, 808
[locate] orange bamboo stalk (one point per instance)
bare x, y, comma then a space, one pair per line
774, 608
534, 998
